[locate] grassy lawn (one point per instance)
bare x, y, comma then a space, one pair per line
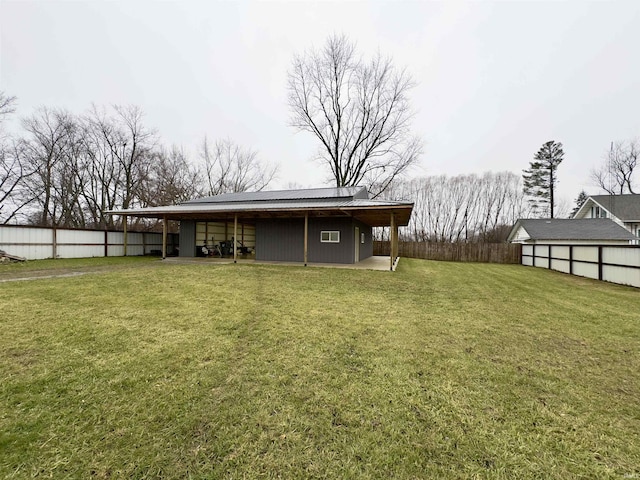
441, 370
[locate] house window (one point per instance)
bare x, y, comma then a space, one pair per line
330, 236
362, 236
597, 212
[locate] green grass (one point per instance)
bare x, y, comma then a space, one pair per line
441, 370
71, 263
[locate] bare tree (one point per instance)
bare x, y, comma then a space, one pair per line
616, 174
463, 208
12, 172
359, 111
119, 151
101, 171
45, 153
171, 179
231, 168
7, 105
137, 147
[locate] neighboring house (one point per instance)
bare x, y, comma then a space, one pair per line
323, 225
622, 209
585, 231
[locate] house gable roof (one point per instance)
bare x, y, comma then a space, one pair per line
625, 207
572, 229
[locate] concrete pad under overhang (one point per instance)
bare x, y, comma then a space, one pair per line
371, 263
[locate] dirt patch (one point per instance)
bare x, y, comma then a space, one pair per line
39, 275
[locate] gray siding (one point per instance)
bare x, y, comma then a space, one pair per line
283, 240
280, 240
187, 238
342, 252
366, 248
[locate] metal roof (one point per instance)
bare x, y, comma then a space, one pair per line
625, 207
573, 229
371, 212
284, 195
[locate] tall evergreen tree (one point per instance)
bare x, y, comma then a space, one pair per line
582, 197
540, 178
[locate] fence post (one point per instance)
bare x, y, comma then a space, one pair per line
124, 225
106, 243
570, 259
54, 242
520, 253
533, 253
549, 258
599, 262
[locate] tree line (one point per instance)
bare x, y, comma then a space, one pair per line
66, 170
462, 208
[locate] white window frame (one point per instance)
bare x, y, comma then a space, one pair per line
332, 236
598, 212
362, 237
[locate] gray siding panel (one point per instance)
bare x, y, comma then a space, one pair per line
342, 252
280, 240
187, 238
283, 240
366, 248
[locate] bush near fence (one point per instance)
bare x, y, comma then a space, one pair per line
454, 252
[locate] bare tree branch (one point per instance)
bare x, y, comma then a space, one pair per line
617, 173
359, 111
231, 168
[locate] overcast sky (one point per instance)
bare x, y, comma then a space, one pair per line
495, 80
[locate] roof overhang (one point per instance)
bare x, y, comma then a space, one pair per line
373, 215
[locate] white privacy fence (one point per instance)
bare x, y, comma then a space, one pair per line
35, 243
611, 263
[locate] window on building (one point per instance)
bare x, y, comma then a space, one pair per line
362, 237
330, 236
597, 212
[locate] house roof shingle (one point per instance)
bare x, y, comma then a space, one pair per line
625, 207
574, 229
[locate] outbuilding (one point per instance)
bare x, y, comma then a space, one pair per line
322, 225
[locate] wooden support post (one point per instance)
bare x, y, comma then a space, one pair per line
396, 252
306, 237
106, 243
124, 227
164, 237
235, 238
392, 229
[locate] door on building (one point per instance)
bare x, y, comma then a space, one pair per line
357, 250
